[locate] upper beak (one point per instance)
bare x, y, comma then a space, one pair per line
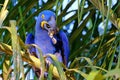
51, 30
43, 23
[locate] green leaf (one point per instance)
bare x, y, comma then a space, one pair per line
17, 59
42, 67
50, 71
79, 72
3, 12
6, 67
95, 75
114, 72
58, 66
79, 58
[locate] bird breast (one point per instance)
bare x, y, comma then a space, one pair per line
44, 42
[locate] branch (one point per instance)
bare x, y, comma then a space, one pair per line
32, 60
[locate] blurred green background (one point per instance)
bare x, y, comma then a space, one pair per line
92, 27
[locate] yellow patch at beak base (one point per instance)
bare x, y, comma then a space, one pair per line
42, 23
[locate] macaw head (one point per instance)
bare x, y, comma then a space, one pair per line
47, 21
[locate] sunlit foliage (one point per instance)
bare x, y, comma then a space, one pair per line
93, 30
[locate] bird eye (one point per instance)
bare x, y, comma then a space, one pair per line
47, 25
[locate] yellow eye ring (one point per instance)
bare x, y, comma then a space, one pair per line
42, 23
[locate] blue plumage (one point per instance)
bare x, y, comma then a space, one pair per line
30, 40
49, 38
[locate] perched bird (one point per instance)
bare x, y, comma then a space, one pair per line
49, 38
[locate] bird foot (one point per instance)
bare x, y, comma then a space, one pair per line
52, 37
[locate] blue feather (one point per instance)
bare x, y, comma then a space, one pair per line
65, 44
30, 40
42, 39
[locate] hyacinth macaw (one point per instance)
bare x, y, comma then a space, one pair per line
49, 38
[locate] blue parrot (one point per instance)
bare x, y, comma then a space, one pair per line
49, 38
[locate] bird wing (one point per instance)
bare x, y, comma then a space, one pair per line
65, 46
30, 40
